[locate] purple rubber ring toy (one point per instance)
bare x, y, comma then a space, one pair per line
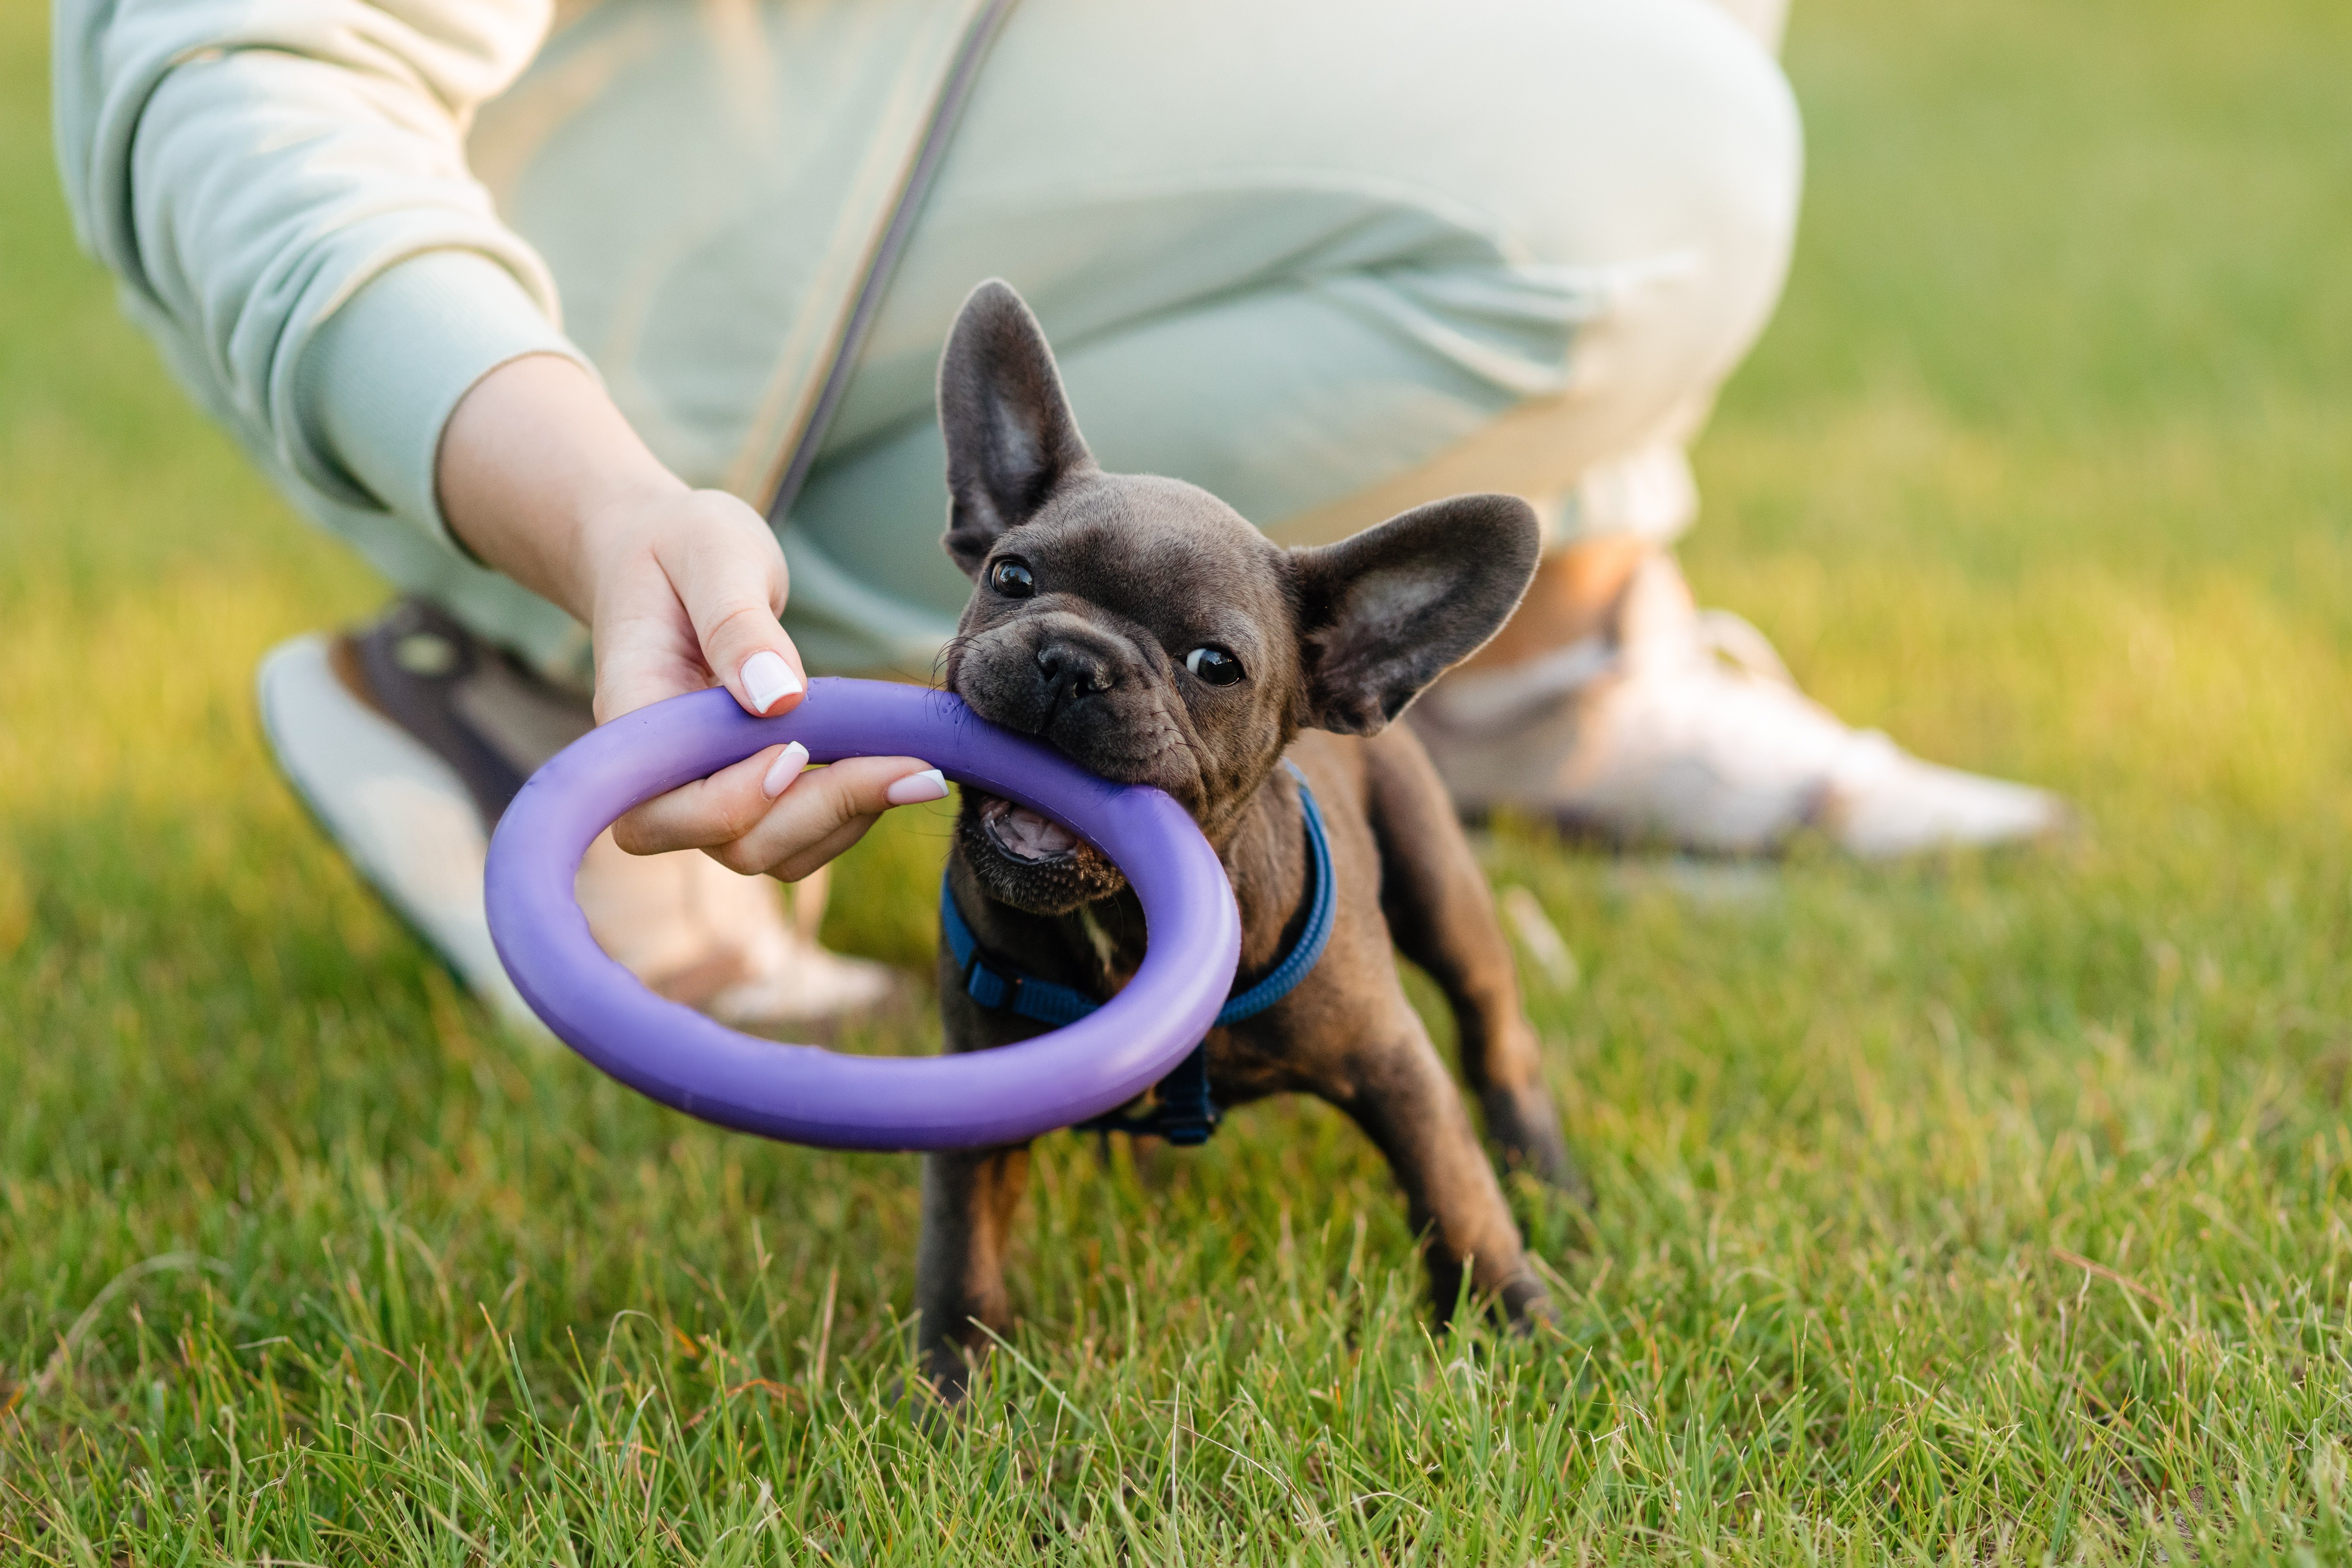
801, 1094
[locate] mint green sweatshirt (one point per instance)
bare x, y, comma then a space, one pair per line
335, 216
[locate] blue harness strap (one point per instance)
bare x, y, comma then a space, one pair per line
1181, 1112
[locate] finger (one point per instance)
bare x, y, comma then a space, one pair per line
715, 811
729, 577
826, 810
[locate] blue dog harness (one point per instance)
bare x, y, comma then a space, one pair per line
1182, 1111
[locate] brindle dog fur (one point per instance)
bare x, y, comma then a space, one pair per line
1092, 592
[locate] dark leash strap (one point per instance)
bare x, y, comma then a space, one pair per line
1182, 1111
955, 94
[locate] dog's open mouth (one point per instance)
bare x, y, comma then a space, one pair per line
1023, 834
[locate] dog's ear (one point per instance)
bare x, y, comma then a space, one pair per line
1385, 612
1010, 436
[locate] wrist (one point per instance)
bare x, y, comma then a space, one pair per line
541, 476
618, 522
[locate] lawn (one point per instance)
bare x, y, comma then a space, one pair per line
1988, 1210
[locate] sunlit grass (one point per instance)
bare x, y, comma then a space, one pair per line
1993, 1209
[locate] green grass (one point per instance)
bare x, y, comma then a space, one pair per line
1993, 1210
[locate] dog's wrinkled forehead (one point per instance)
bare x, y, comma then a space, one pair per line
1163, 553
1341, 636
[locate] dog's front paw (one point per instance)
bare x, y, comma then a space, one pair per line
1525, 1130
1523, 1302
938, 1393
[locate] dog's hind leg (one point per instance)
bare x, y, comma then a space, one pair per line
969, 1198
1442, 915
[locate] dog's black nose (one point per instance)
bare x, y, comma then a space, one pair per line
1071, 672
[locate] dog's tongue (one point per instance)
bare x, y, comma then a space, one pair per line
1032, 836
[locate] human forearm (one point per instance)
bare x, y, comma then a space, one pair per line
537, 470
249, 168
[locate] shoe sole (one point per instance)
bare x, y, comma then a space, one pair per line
369, 786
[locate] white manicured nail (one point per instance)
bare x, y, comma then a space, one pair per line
768, 679
916, 788
784, 769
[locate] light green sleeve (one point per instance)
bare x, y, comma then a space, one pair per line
281, 188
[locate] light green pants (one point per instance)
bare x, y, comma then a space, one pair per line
1328, 267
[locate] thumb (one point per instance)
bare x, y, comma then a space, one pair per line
729, 578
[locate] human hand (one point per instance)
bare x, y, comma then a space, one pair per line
541, 476
767, 814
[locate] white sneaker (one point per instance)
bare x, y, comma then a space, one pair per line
411, 818
1685, 727
700, 934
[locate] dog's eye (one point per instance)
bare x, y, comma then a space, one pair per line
1213, 666
1011, 579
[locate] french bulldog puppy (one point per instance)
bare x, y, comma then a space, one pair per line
1146, 630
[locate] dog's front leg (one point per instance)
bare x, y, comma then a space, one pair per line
968, 1203
1405, 1100
1441, 914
